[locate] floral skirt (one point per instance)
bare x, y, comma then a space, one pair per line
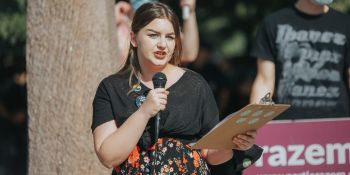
172, 157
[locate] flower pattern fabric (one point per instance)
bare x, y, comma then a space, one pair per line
172, 158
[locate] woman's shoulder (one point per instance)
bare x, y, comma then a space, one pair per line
194, 76
196, 81
116, 79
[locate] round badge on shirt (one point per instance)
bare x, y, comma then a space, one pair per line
139, 100
246, 163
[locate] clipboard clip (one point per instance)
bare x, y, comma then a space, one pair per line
266, 100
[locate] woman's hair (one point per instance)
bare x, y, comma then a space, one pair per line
143, 16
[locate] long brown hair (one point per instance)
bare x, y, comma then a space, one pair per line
143, 16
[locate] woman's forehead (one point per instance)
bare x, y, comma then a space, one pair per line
160, 25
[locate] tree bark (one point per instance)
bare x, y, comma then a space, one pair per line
71, 46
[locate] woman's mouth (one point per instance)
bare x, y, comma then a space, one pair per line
160, 54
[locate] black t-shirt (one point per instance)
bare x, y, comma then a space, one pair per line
190, 112
311, 55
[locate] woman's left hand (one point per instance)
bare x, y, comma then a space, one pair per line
244, 141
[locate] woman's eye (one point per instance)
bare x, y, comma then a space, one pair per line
152, 35
170, 37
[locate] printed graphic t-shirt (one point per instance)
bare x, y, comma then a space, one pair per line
311, 55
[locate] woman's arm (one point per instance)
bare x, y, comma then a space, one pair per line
113, 145
190, 37
123, 16
216, 157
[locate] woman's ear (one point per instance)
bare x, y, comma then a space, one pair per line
133, 39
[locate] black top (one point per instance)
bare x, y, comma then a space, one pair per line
190, 113
312, 55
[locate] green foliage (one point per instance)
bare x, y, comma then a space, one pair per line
13, 21
12, 33
12, 28
342, 5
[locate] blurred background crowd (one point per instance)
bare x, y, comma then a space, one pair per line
227, 29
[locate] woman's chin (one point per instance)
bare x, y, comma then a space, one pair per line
159, 63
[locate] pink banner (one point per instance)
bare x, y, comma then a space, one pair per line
304, 147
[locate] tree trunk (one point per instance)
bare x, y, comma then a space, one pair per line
71, 46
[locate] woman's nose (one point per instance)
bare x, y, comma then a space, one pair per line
161, 43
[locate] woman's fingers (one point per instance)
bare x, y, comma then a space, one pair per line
240, 141
252, 133
157, 99
246, 138
162, 105
245, 141
242, 146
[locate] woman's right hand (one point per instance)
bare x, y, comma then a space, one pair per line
156, 101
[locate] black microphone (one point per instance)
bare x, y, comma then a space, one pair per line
159, 81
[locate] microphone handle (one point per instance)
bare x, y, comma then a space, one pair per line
156, 128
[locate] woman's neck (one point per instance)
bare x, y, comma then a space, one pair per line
308, 7
147, 73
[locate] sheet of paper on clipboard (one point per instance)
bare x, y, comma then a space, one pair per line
251, 117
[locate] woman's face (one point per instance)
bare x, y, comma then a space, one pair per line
155, 43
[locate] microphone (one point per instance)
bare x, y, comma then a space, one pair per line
159, 81
185, 12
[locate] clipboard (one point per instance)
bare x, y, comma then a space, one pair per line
251, 117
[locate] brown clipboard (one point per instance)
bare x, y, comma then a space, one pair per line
251, 117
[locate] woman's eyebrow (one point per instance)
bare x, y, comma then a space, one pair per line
151, 30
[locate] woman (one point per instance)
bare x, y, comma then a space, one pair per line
124, 13
125, 104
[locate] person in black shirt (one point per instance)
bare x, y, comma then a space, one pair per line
125, 104
304, 59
